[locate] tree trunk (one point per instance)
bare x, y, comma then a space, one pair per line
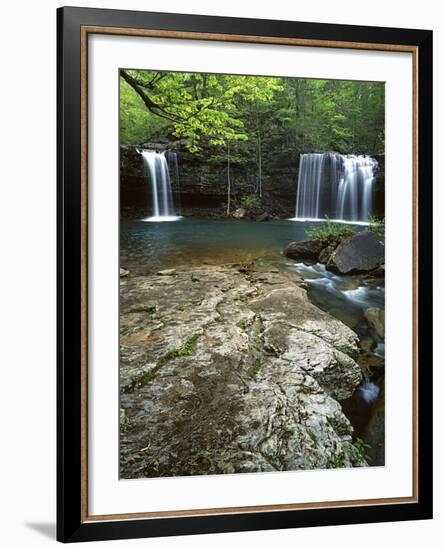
228, 180
259, 161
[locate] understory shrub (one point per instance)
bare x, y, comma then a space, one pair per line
329, 231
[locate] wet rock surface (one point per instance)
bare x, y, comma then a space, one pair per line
227, 369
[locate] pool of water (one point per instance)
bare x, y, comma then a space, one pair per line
150, 246
147, 247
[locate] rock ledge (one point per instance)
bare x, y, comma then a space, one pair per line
227, 369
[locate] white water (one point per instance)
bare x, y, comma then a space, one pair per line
358, 295
339, 187
158, 174
369, 392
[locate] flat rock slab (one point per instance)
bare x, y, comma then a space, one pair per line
227, 370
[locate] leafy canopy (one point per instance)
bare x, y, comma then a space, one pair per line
196, 107
262, 115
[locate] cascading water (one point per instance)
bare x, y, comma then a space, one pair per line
157, 172
339, 187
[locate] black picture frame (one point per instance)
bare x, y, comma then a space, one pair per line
71, 523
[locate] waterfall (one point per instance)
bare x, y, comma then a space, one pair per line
158, 174
339, 187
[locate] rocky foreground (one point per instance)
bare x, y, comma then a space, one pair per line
231, 369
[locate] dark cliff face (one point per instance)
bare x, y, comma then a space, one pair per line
201, 189
379, 204
202, 186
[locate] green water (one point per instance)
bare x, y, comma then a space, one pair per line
153, 245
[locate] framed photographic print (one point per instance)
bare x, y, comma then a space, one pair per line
244, 285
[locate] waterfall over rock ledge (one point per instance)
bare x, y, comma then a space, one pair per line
339, 187
157, 172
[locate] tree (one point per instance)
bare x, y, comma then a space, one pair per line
201, 108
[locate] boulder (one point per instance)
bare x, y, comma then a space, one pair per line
239, 213
367, 344
304, 250
376, 320
264, 217
124, 272
370, 363
361, 253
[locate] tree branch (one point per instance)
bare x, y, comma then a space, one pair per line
151, 105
